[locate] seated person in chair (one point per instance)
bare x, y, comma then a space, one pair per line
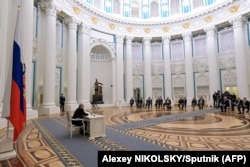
79, 113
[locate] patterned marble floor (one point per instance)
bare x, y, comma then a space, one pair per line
217, 131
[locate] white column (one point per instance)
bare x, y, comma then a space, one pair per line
119, 74
167, 68
3, 58
129, 69
70, 103
147, 68
48, 106
189, 67
240, 53
83, 66
114, 79
212, 62
26, 13
41, 36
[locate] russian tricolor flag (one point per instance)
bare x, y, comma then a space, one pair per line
14, 107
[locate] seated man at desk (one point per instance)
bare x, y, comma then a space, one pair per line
79, 113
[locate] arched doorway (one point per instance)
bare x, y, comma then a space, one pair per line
101, 69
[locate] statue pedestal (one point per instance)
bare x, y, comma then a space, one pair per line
97, 99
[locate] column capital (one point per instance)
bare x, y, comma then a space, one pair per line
72, 22
166, 39
210, 31
119, 39
146, 40
187, 36
48, 6
237, 21
129, 40
84, 29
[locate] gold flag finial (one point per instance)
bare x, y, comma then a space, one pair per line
19, 6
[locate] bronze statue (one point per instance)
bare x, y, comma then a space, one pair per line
98, 87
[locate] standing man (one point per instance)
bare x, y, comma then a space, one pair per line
131, 101
181, 103
185, 103
62, 101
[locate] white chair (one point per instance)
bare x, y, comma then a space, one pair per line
71, 126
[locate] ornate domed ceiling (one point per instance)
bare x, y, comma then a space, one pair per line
152, 18
151, 9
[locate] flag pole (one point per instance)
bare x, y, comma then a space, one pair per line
8, 127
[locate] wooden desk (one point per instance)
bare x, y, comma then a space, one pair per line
95, 125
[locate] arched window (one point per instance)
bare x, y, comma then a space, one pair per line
175, 7
154, 9
135, 9
116, 7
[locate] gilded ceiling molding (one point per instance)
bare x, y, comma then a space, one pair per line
186, 25
147, 30
112, 26
129, 29
76, 10
234, 9
165, 29
208, 19
94, 20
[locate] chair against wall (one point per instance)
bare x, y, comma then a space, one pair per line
71, 126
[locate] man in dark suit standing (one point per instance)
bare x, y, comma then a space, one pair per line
185, 102
239, 104
233, 100
215, 99
181, 104
62, 102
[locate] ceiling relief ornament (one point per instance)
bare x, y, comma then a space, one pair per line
112, 26
147, 30
94, 20
76, 10
186, 25
129, 29
165, 29
208, 19
234, 9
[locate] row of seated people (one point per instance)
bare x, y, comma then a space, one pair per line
242, 104
228, 100
182, 103
148, 103
160, 104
